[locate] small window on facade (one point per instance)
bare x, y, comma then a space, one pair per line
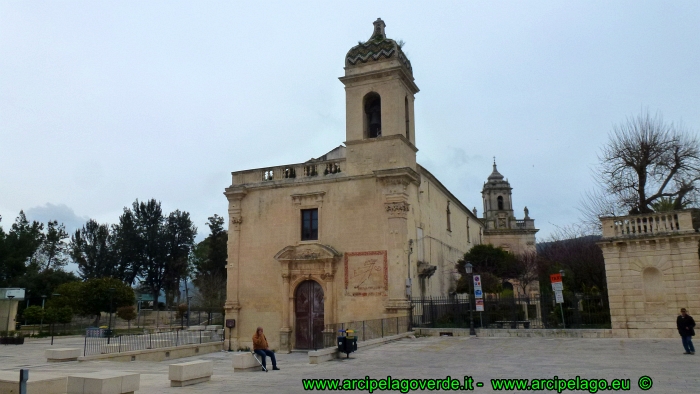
449, 225
309, 224
500, 203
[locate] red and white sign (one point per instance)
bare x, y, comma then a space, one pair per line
479, 305
555, 278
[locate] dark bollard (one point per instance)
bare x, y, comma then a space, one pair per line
23, 377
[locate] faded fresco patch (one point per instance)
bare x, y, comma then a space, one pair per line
366, 273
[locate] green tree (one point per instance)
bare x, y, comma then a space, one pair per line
91, 248
53, 252
18, 247
179, 236
209, 263
71, 296
128, 313
127, 245
96, 296
494, 265
33, 314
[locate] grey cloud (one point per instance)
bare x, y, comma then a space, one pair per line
61, 213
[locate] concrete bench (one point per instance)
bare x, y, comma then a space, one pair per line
38, 383
104, 382
193, 372
196, 328
62, 354
214, 327
245, 362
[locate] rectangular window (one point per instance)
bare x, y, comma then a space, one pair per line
309, 224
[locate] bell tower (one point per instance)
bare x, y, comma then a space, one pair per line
379, 96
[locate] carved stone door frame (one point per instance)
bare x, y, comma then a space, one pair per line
298, 263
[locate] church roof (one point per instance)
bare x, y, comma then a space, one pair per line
377, 48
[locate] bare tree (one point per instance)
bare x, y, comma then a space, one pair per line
645, 160
526, 270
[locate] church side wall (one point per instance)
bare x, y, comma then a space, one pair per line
438, 246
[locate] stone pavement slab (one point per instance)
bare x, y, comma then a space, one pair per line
425, 357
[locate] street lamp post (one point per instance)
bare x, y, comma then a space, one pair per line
51, 324
469, 269
41, 324
188, 310
8, 314
138, 316
561, 308
27, 296
111, 299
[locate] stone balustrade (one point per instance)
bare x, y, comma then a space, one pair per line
289, 172
657, 223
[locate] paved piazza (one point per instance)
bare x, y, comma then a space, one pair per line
423, 357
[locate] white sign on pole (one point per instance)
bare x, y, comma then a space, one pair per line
479, 305
477, 287
559, 296
557, 286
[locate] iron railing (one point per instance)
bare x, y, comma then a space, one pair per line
366, 330
127, 343
580, 311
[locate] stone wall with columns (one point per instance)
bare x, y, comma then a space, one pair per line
653, 270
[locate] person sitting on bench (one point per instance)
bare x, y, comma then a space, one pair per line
261, 348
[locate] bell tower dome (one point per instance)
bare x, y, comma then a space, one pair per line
379, 96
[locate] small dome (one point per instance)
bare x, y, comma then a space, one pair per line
495, 175
377, 48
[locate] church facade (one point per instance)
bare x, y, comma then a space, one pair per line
352, 234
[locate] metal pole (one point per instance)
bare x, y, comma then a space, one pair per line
23, 377
408, 292
471, 310
25, 319
138, 316
111, 300
188, 310
41, 325
562, 314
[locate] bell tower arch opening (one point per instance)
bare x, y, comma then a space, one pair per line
372, 104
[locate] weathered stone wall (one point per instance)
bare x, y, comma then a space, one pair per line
653, 270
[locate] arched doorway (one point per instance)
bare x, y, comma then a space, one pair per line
308, 312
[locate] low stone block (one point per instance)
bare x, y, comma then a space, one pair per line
38, 383
63, 354
104, 382
245, 362
196, 328
193, 372
214, 327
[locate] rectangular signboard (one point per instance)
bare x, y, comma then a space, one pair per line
479, 305
559, 296
477, 280
557, 286
555, 278
478, 293
15, 293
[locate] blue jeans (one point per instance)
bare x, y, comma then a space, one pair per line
688, 344
262, 353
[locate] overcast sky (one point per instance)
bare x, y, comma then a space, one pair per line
105, 102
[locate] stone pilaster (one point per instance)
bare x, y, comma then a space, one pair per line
395, 186
232, 306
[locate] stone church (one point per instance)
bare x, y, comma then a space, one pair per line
349, 235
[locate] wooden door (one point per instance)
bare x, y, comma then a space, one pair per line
308, 310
